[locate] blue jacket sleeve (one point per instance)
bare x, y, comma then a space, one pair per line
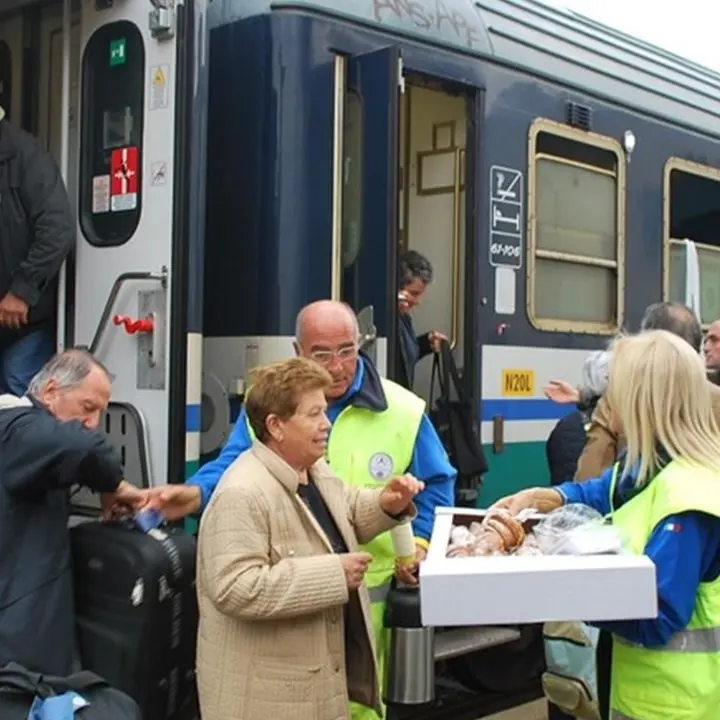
208, 476
595, 493
686, 551
430, 463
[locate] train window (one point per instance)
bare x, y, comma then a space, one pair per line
111, 135
575, 230
692, 212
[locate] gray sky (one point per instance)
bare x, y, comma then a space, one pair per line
688, 28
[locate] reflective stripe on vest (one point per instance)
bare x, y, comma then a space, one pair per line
615, 715
700, 640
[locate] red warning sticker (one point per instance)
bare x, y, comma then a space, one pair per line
123, 179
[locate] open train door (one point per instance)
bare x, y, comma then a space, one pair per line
370, 197
139, 130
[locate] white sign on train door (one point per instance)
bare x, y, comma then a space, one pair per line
124, 259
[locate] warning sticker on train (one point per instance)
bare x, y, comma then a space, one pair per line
101, 194
123, 179
506, 217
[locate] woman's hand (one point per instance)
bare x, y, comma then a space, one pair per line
406, 574
541, 499
561, 392
355, 566
399, 493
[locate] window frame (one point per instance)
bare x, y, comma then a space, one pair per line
690, 168
603, 142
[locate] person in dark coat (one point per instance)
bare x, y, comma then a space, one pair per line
48, 443
415, 273
37, 231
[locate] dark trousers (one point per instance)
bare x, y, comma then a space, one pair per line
603, 667
21, 358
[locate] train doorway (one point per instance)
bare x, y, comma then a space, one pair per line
405, 170
431, 213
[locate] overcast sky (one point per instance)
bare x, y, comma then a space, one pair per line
689, 28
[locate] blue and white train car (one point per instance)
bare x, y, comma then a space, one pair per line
548, 166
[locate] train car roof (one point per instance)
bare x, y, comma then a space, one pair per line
544, 40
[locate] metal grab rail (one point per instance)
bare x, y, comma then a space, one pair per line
112, 297
456, 246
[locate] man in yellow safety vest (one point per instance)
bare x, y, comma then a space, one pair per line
379, 429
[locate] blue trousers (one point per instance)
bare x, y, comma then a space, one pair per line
22, 359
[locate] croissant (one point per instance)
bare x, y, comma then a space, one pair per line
498, 534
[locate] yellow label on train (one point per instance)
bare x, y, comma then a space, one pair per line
518, 383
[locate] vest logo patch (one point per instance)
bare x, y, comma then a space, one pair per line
381, 466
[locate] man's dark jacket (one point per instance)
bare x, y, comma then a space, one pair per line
37, 229
411, 349
40, 458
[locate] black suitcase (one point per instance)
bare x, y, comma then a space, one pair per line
136, 613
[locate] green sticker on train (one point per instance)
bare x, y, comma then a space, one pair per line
117, 52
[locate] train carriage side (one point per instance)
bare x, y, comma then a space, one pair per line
495, 153
495, 138
621, 154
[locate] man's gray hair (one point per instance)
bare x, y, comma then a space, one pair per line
596, 372
411, 266
68, 369
676, 318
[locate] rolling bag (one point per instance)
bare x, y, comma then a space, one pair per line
136, 613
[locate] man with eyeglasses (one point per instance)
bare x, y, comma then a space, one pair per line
379, 430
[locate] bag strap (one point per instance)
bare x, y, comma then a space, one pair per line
15, 679
450, 372
435, 379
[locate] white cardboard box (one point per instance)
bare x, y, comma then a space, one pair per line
529, 589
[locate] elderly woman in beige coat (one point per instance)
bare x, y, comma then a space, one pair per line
285, 630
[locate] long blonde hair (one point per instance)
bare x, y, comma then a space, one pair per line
661, 397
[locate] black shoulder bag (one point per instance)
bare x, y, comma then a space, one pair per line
454, 421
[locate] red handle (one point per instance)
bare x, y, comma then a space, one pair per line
143, 325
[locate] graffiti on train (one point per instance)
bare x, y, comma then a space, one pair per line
447, 17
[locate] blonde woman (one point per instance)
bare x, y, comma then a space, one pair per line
664, 493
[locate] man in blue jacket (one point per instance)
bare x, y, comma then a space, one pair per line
327, 333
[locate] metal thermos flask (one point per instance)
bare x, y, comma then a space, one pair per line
410, 676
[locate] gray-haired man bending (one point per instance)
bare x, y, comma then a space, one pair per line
47, 444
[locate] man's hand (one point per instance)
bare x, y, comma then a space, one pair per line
355, 566
406, 574
436, 340
127, 498
399, 493
175, 502
13, 311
